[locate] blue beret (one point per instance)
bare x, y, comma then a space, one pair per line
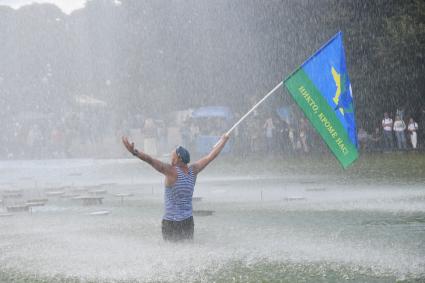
183, 154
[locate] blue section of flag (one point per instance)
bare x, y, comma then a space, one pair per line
324, 68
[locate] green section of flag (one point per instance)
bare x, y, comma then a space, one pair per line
322, 116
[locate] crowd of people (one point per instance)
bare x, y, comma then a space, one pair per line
273, 135
399, 134
296, 136
36, 136
261, 133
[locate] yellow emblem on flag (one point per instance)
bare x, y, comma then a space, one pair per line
337, 79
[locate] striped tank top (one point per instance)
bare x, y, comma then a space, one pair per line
178, 198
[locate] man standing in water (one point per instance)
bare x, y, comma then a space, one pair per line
180, 178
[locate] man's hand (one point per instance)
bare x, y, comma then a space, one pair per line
129, 146
203, 162
161, 167
225, 137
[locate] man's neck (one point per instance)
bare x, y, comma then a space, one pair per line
181, 165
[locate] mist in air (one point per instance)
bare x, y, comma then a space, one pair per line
276, 206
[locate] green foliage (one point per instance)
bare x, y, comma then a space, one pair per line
400, 48
152, 57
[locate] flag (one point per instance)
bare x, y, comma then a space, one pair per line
321, 87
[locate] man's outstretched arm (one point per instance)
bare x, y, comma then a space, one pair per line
199, 165
159, 166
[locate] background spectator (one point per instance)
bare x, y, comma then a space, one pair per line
387, 126
399, 128
362, 138
412, 129
303, 131
269, 133
375, 140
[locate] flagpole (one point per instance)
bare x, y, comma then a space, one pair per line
252, 109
